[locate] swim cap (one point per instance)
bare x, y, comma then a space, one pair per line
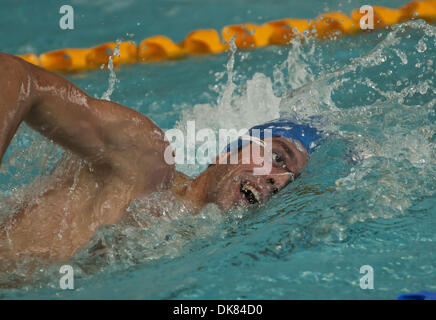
302, 134
423, 295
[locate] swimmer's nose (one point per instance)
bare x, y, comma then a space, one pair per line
277, 182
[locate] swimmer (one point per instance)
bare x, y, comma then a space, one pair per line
123, 155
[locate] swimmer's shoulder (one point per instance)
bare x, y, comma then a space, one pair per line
9, 61
11, 65
13, 68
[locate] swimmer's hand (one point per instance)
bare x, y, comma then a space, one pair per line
108, 135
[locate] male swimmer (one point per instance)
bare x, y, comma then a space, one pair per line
123, 153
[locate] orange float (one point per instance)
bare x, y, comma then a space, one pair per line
203, 42
65, 60
99, 56
128, 53
286, 29
383, 16
419, 10
30, 57
159, 48
334, 24
248, 36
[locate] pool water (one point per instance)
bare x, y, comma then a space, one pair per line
368, 196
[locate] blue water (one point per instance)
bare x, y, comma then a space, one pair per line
368, 197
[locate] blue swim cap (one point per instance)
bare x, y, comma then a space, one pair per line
302, 134
423, 295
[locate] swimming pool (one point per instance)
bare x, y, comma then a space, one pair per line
368, 196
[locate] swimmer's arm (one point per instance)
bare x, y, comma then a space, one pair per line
15, 101
103, 132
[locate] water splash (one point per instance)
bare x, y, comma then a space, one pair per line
112, 75
253, 103
389, 128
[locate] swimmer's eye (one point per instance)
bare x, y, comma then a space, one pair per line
279, 161
277, 158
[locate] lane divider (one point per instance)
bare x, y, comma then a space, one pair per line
209, 41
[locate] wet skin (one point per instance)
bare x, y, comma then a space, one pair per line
123, 158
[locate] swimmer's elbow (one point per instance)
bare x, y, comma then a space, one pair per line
16, 95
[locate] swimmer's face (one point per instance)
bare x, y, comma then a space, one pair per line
233, 185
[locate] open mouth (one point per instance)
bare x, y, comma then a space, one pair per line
249, 193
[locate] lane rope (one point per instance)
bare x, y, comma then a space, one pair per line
246, 36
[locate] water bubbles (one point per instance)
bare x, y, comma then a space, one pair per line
423, 88
421, 46
401, 55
